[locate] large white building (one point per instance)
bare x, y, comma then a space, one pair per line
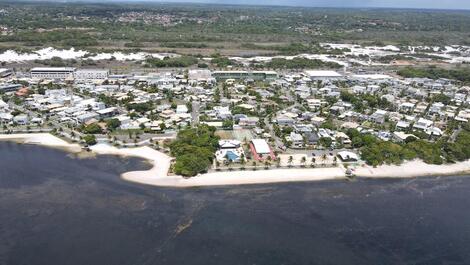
91, 74
261, 146
52, 72
322, 75
4, 72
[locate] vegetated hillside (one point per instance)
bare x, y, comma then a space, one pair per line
197, 26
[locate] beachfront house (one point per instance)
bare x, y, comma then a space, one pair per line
347, 156
230, 151
261, 150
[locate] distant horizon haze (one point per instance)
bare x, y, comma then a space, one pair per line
415, 4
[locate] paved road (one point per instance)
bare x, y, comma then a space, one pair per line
195, 113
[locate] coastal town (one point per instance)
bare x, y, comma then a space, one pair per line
246, 119
216, 132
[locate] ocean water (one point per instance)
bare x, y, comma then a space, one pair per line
59, 209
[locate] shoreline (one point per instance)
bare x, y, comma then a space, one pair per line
158, 174
413, 169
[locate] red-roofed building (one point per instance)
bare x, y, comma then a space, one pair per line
261, 150
22, 92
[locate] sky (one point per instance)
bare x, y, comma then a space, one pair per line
438, 4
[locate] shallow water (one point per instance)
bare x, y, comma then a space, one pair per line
57, 209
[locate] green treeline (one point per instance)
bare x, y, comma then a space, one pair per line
377, 152
183, 45
69, 38
194, 150
183, 61
460, 74
299, 63
294, 48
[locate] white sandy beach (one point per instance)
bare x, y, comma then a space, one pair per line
412, 169
44, 139
158, 174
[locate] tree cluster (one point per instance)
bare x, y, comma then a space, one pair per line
194, 150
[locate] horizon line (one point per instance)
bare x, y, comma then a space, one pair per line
231, 4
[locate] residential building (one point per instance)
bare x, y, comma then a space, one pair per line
422, 124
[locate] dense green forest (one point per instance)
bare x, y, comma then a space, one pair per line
194, 150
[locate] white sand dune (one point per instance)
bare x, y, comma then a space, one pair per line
50, 52
158, 174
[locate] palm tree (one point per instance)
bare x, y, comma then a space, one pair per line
242, 162
266, 164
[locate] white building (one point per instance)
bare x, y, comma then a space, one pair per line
347, 156
261, 146
406, 107
108, 112
3, 105
223, 112
401, 136
402, 125
180, 109
423, 124
296, 139
4, 72
314, 103
378, 116
322, 75
52, 72
21, 119
91, 74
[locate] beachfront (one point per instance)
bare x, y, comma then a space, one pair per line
159, 175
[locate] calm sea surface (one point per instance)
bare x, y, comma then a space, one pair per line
57, 209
